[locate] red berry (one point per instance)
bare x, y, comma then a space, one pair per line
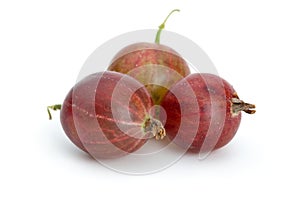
203, 108
157, 66
106, 115
151, 63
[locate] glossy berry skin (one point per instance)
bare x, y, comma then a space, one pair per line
88, 119
216, 127
151, 63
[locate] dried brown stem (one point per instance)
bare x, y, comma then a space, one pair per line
239, 105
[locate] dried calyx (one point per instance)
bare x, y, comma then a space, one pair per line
155, 127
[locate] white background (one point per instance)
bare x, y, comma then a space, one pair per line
255, 45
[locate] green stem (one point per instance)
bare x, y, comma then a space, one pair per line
162, 26
53, 107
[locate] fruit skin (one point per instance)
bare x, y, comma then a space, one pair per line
151, 54
210, 91
88, 107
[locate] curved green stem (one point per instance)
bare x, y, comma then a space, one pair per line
53, 107
162, 26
